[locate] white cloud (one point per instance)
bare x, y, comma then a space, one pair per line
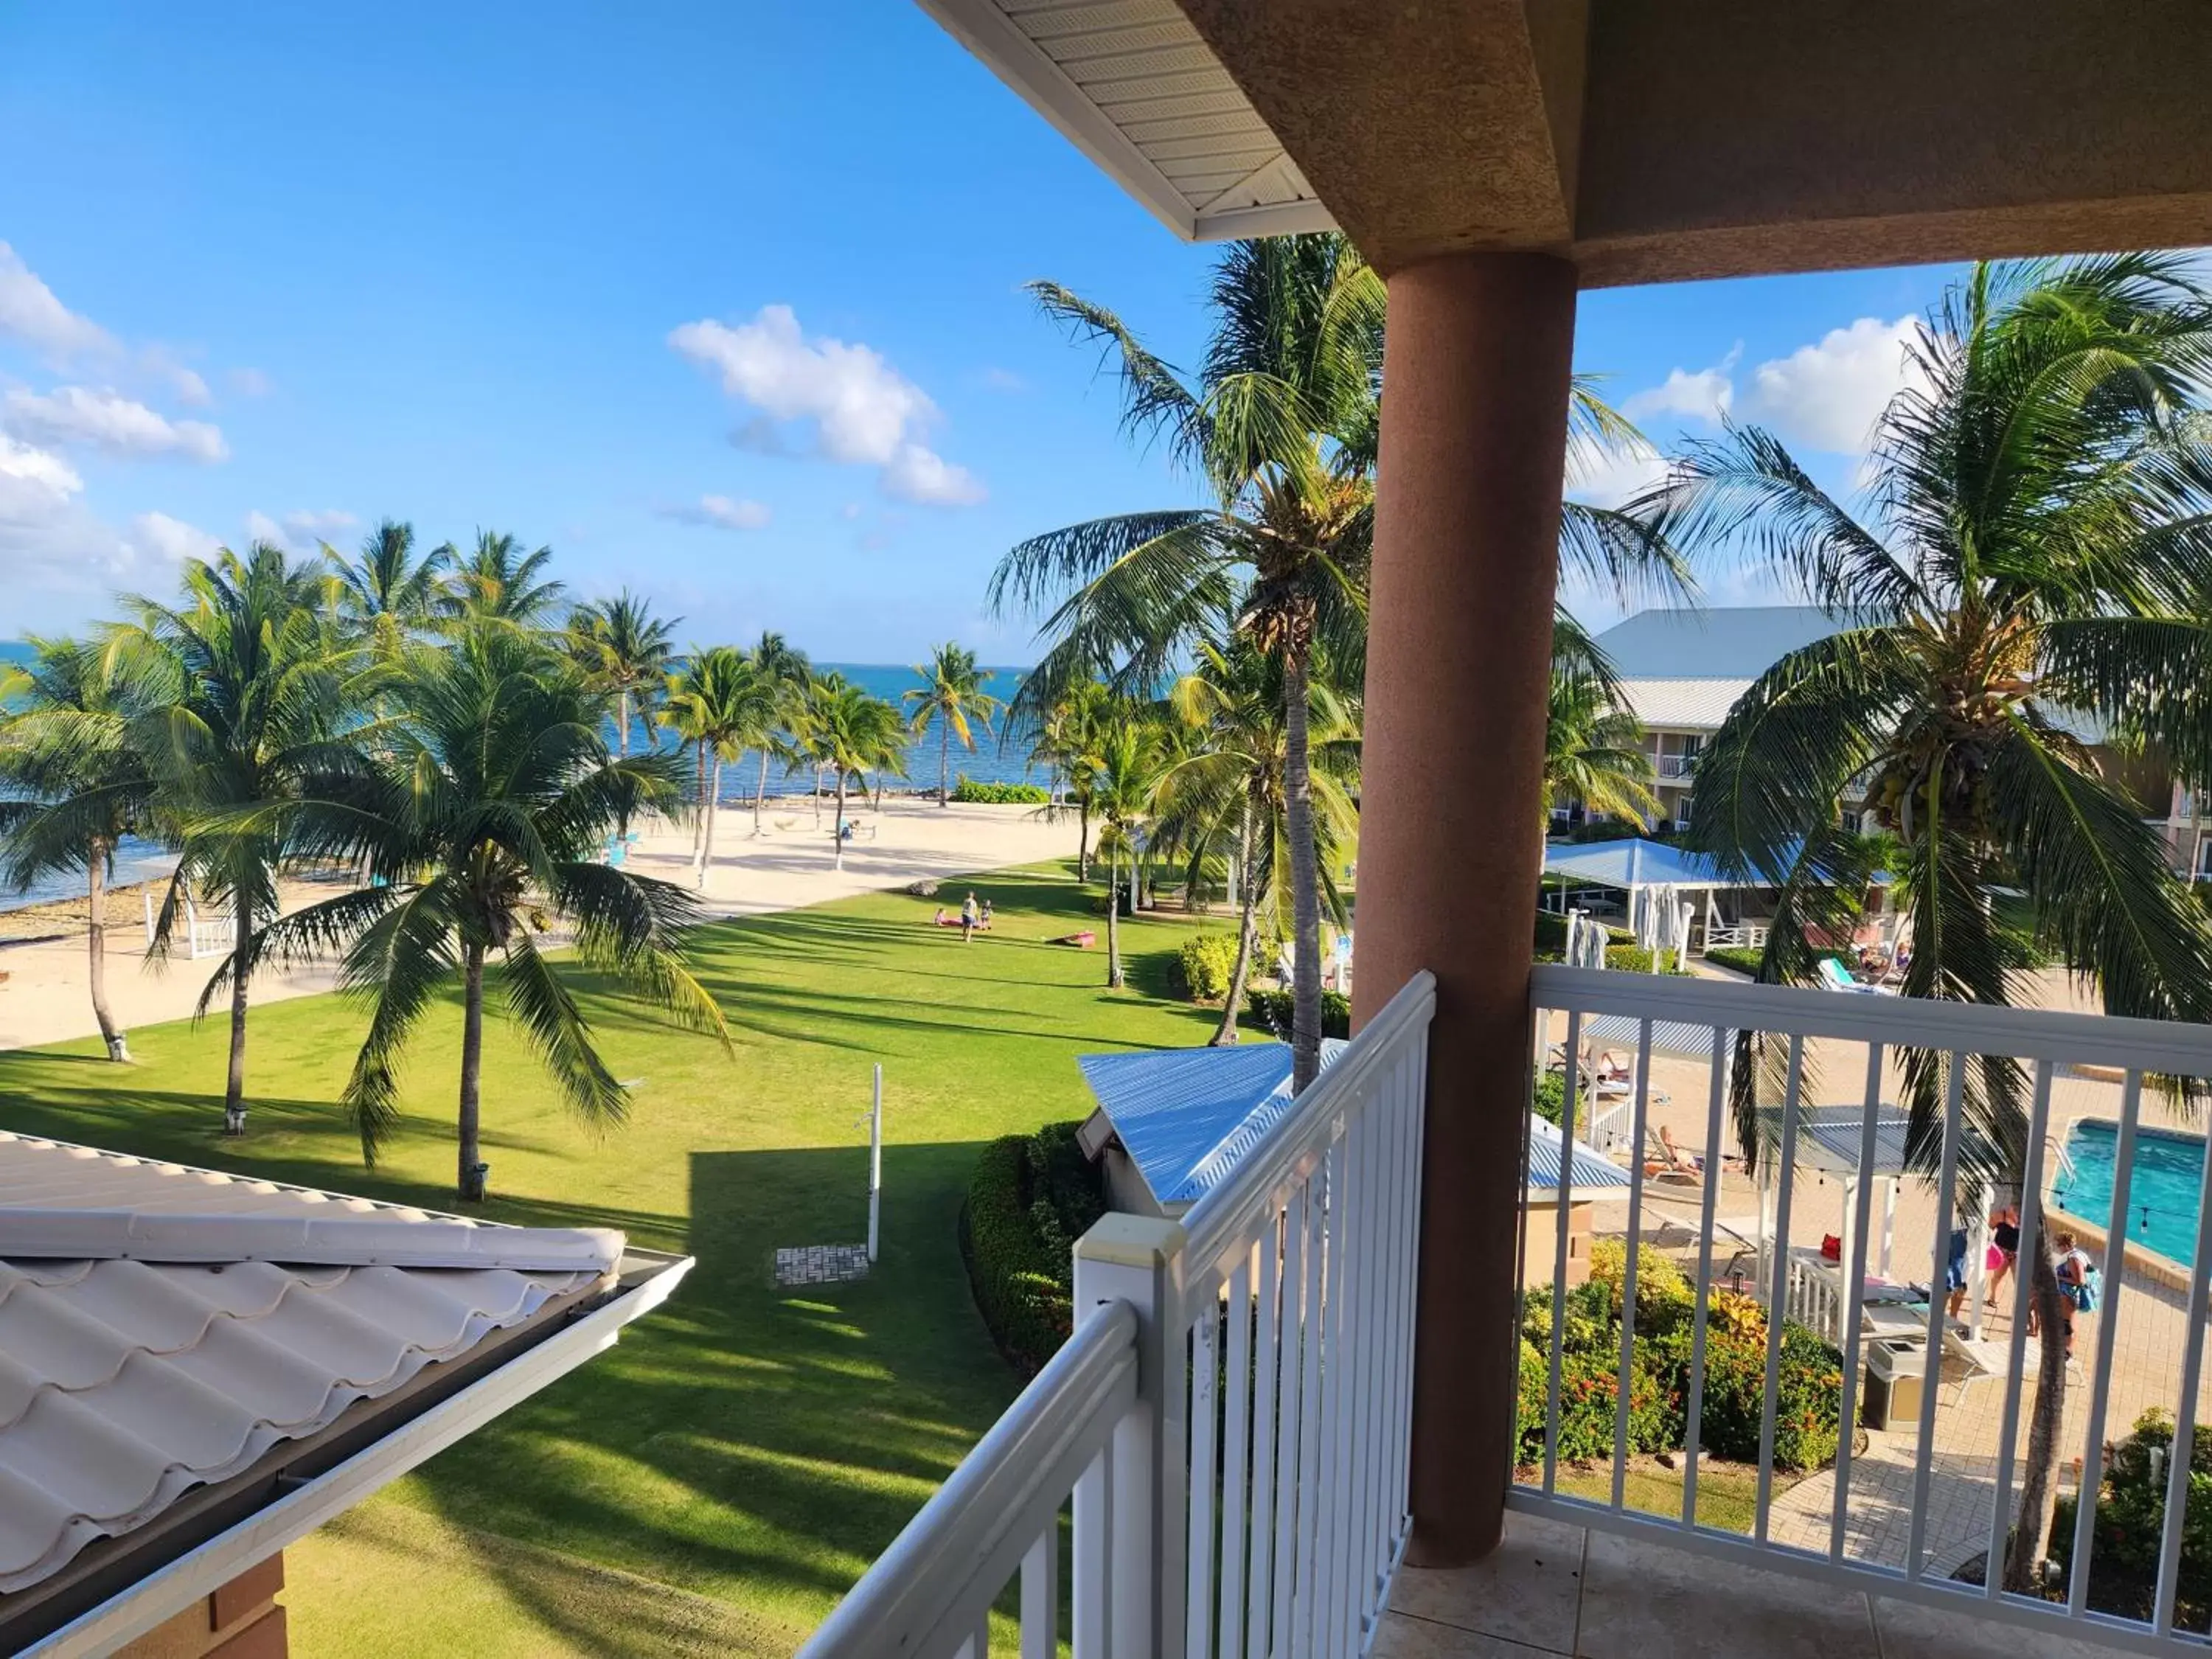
260, 527
720, 513
249, 383
927, 478
1703, 396
1004, 380
109, 421
50, 546
1829, 396
170, 538
29, 472
30, 312
315, 526
191, 388
1613, 478
861, 410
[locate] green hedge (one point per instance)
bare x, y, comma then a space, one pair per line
1742, 960
1000, 794
1275, 1010
1807, 1409
1203, 964
2131, 1526
1031, 1197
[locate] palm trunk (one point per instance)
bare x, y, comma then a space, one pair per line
621, 733
1114, 918
2045, 1418
945, 766
839, 833
707, 839
699, 823
1305, 877
470, 1181
760, 795
1248, 928
96, 953
1083, 840
818, 795
234, 1093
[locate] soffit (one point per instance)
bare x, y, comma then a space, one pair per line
125, 1383
1133, 86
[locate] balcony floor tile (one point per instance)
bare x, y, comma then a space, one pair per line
1644, 1600
1528, 1591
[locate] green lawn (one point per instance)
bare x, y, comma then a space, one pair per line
755, 1447
1728, 1493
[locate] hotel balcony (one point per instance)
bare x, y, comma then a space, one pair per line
1676, 768
1183, 1480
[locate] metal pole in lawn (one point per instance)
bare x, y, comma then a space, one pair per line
876, 1164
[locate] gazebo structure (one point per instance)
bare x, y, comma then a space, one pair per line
1648, 871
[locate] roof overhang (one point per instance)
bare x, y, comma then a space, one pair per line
124, 1587
1644, 143
1130, 83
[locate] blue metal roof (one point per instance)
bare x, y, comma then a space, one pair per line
1636, 864
1185, 1116
1591, 1170
1725, 642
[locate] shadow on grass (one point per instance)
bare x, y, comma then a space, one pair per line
751, 1435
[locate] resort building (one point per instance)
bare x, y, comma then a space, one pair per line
1295, 1419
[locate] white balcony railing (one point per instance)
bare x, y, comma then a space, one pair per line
1228, 1424
1937, 1483
1676, 767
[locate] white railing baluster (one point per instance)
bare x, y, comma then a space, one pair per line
1094, 1526
1205, 1410
1694, 1396
1923, 1455
1267, 1346
1563, 1188
1290, 1414
1847, 1413
1412, 1131
1336, 1406
1622, 1392
2108, 1330
1040, 1595
2184, 1406
2023, 1290
1781, 1248
1320, 1196
1237, 1422
1358, 1552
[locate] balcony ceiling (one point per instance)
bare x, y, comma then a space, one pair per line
1647, 143
1137, 90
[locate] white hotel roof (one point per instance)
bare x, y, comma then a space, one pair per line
1675, 705
162, 1327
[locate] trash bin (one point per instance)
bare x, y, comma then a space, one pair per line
1896, 1372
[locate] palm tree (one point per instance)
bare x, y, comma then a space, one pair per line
1593, 751
624, 651
850, 733
1127, 768
952, 695
723, 705
494, 804
1066, 731
1233, 695
499, 582
73, 763
265, 699
786, 668
1282, 424
2041, 552
386, 595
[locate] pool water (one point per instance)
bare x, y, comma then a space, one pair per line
2165, 1194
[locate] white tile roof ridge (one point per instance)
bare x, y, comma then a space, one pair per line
338, 1240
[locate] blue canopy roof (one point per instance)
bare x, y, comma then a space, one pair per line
1185, 1116
1592, 1171
1637, 864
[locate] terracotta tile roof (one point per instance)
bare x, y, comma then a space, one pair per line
162, 1328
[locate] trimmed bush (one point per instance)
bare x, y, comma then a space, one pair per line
1205, 962
1736, 957
1274, 1010
1550, 1101
1031, 1197
1000, 794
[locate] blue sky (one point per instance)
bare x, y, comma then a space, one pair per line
722, 302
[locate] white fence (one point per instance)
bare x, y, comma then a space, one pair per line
203, 936
1229, 1424
1740, 935
2046, 1045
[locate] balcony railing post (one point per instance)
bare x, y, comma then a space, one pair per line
1140, 1259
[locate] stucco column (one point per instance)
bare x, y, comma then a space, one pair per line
1474, 409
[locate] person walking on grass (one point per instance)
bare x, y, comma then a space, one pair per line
971, 919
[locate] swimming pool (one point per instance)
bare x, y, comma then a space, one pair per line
2164, 1195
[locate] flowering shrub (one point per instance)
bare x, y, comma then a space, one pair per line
2131, 1524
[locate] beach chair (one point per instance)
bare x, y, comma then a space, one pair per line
1835, 978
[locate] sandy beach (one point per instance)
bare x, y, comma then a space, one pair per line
792, 863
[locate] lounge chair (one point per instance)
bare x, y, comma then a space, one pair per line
1834, 976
